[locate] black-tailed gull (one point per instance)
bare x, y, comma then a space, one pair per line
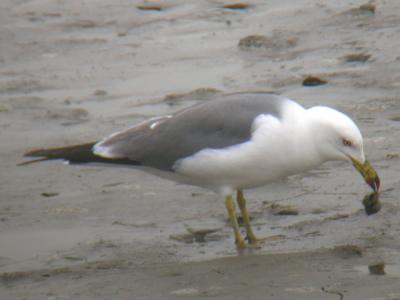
232, 143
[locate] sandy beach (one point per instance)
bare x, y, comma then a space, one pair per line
73, 71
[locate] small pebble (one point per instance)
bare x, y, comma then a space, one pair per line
377, 269
150, 7
284, 210
357, 57
313, 81
236, 6
50, 194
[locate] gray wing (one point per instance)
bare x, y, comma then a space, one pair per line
160, 142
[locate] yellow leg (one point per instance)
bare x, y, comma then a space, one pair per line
230, 206
242, 205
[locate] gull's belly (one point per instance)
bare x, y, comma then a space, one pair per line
277, 148
242, 166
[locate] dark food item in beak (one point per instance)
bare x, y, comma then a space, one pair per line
368, 173
371, 203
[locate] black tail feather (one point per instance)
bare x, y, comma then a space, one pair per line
76, 154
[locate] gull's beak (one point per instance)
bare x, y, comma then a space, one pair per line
368, 173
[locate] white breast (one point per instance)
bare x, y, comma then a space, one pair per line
277, 148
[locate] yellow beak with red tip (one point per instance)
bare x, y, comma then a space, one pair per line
368, 173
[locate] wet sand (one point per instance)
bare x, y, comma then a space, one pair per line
77, 71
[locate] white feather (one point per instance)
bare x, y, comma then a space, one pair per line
269, 155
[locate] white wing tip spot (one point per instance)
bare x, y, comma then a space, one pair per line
156, 121
154, 125
103, 151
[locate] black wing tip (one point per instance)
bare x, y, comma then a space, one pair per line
24, 163
36, 152
75, 154
64, 153
42, 153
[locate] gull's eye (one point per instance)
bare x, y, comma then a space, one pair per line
346, 142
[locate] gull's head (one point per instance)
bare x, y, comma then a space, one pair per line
337, 137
